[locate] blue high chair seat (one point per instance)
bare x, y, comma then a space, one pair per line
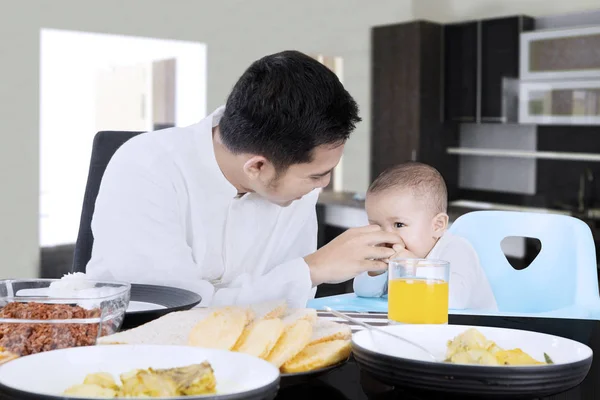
561, 281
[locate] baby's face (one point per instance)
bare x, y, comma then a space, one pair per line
400, 212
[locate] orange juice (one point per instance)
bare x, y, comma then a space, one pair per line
418, 301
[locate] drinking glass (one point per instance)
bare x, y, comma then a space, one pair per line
418, 291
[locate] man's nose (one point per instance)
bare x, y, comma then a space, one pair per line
324, 181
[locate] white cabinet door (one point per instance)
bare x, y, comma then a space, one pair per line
124, 98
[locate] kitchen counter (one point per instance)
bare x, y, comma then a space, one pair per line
344, 210
346, 200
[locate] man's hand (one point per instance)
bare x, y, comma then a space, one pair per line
398, 248
355, 251
402, 252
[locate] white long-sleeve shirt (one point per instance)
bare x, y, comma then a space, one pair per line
166, 215
468, 286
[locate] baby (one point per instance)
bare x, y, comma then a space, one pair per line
411, 199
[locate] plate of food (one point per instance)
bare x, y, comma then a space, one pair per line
138, 371
145, 302
473, 360
297, 342
31, 322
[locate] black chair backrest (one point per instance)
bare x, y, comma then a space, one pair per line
105, 145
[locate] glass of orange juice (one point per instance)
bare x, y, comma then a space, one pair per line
418, 291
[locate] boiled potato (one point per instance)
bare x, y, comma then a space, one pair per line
90, 390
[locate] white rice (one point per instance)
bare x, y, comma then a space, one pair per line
77, 286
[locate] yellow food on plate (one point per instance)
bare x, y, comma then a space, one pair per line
6, 356
317, 356
260, 337
221, 329
516, 357
293, 341
90, 390
268, 330
101, 379
326, 331
196, 379
472, 347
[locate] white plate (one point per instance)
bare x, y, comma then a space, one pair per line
435, 338
52, 372
143, 306
399, 364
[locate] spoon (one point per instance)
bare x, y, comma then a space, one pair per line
375, 329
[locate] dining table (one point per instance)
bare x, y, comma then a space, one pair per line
348, 382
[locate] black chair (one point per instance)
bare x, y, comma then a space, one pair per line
105, 145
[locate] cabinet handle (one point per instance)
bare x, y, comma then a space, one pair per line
143, 107
494, 119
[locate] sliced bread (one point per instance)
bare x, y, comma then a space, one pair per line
293, 340
296, 314
269, 309
172, 329
221, 329
318, 356
260, 337
325, 331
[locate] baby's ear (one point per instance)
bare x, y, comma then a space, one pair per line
440, 224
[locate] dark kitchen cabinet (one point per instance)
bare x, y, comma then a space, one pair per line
460, 71
500, 48
478, 55
406, 99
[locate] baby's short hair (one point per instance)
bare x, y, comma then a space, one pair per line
424, 181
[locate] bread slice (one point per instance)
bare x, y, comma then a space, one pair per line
269, 309
172, 329
325, 331
221, 329
260, 337
293, 315
294, 339
318, 356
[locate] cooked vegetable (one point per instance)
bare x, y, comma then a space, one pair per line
197, 379
472, 347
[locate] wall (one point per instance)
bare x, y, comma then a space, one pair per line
236, 33
460, 10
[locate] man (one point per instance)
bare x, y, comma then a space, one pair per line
226, 207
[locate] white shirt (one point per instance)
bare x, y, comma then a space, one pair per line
166, 215
469, 287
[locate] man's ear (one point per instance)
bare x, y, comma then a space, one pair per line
255, 166
440, 224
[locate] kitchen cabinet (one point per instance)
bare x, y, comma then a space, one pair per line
499, 60
478, 56
406, 108
461, 71
573, 102
561, 54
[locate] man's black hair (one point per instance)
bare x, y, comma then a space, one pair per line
285, 105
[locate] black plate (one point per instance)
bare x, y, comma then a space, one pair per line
173, 299
513, 382
303, 377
